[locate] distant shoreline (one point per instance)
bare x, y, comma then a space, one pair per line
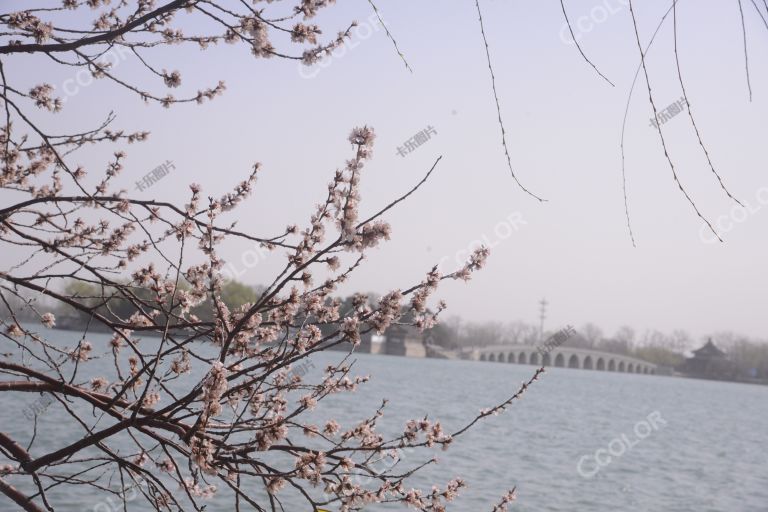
71, 324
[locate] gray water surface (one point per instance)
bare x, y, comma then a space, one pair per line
704, 448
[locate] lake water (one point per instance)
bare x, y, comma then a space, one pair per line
577, 441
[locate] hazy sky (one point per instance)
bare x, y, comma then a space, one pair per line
563, 124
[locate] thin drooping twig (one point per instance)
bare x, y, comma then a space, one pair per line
391, 37
658, 127
746, 55
762, 16
578, 46
503, 405
690, 113
626, 116
498, 106
402, 197
624, 125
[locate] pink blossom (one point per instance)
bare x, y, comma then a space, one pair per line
48, 320
14, 330
99, 383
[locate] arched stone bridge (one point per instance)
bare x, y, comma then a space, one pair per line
564, 357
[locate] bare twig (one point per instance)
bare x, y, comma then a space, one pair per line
498, 106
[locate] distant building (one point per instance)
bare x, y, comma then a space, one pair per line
708, 362
398, 340
404, 340
367, 343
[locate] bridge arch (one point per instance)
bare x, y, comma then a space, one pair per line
576, 358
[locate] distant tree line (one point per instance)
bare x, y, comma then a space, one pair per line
117, 304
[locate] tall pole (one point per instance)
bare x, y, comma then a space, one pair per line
542, 316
